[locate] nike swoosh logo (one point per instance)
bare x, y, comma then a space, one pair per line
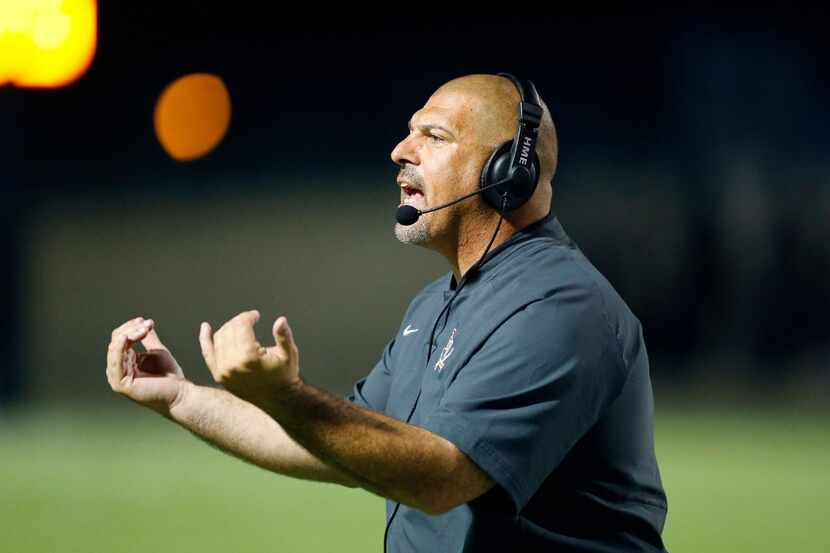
407, 331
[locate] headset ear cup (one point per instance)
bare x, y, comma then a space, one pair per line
524, 184
496, 169
517, 191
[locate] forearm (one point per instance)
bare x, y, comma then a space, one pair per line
245, 431
390, 458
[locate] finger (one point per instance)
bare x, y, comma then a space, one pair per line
251, 315
139, 331
136, 334
282, 333
123, 338
151, 340
206, 343
115, 356
243, 329
285, 336
132, 322
130, 363
133, 330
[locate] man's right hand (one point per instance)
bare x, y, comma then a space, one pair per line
152, 378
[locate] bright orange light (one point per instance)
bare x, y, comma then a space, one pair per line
46, 43
192, 115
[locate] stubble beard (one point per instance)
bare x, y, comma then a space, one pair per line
415, 234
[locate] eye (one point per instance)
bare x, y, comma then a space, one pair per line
436, 138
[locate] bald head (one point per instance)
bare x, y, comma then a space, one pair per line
493, 115
441, 159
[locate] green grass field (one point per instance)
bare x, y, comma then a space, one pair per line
126, 480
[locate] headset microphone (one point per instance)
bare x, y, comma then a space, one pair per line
408, 214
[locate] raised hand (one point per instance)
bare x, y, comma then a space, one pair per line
245, 367
151, 378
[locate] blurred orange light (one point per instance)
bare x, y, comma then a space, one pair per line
192, 115
46, 43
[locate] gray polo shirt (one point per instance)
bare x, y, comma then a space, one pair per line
537, 370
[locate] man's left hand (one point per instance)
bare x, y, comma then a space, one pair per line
245, 367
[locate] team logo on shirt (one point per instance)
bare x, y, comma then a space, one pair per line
445, 353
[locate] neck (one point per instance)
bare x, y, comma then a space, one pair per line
475, 233
473, 239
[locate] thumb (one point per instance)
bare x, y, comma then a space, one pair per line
282, 334
152, 341
206, 343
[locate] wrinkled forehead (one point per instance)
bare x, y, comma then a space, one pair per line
454, 110
467, 115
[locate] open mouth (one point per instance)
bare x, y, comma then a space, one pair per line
412, 196
410, 192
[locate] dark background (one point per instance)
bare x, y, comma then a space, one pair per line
693, 172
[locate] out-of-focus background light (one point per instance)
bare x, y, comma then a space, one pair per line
192, 115
46, 43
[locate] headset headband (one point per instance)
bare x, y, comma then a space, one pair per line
530, 117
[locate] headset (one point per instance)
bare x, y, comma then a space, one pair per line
511, 174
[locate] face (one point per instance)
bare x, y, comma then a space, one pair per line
440, 159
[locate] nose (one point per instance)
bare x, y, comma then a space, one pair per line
405, 152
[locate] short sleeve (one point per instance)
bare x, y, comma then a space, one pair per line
533, 389
372, 390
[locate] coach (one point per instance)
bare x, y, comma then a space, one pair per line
513, 409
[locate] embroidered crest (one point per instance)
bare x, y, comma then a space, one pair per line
445, 353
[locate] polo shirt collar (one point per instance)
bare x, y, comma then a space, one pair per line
548, 226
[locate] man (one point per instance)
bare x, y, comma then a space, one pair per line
513, 410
